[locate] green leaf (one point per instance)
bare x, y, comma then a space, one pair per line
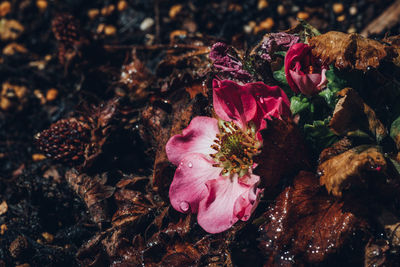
280, 76
319, 135
395, 130
335, 81
298, 104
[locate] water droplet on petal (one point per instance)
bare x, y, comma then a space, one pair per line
184, 206
190, 164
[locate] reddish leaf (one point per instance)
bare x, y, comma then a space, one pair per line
306, 224
283, 152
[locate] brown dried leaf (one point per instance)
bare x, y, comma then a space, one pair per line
10, 29
94, 193
351, 113
350, 50
395, 42
131, 206
337, 148
375, 253
137, 78
306, 224
349, 168
283, 152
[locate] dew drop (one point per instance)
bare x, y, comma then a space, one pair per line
184, 206
190, 164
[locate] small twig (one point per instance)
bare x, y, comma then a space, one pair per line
154, 47
157, 19
389, 18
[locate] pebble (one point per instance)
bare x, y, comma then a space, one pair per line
107, 10
122, 5
38, 157
352, 29
110, 30
3, 229
341, 18
266, 24
41, 5
48, 237
248, 28
353, 10
51, 94
146, 24
262, 4
338, 8
100, 28
174, 11
39, 95
303, 15
5, 8
93, 13
3, 207
281, 10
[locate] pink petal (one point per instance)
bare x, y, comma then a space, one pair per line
324, 80
307, 83
294, 55
227, 202
233, 102
271, 101
189, 185
196, 138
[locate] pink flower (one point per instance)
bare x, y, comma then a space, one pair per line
303, 71
214, 157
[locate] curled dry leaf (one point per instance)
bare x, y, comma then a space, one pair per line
395, 42
94, 193
351, 113
10, 29
376, 253
136, 77
306, 225
283, 152
350, 50
350, 168
337, 148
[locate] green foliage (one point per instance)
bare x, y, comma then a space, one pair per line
319, 135
395, 129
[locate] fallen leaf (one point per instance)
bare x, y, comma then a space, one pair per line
306, 225
352, 113
283, 152
349, 168
395, 42
376, 253
337, 148
94, 193
350, 50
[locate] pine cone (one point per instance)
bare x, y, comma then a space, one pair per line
66, 140
66, 29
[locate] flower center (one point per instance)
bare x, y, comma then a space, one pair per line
235, 148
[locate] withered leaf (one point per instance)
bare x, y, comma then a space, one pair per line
283, 152
349, 168
352, 113
395, 42
306, 224
94, 193
131, 206
376, 253
350, 50
337, 148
